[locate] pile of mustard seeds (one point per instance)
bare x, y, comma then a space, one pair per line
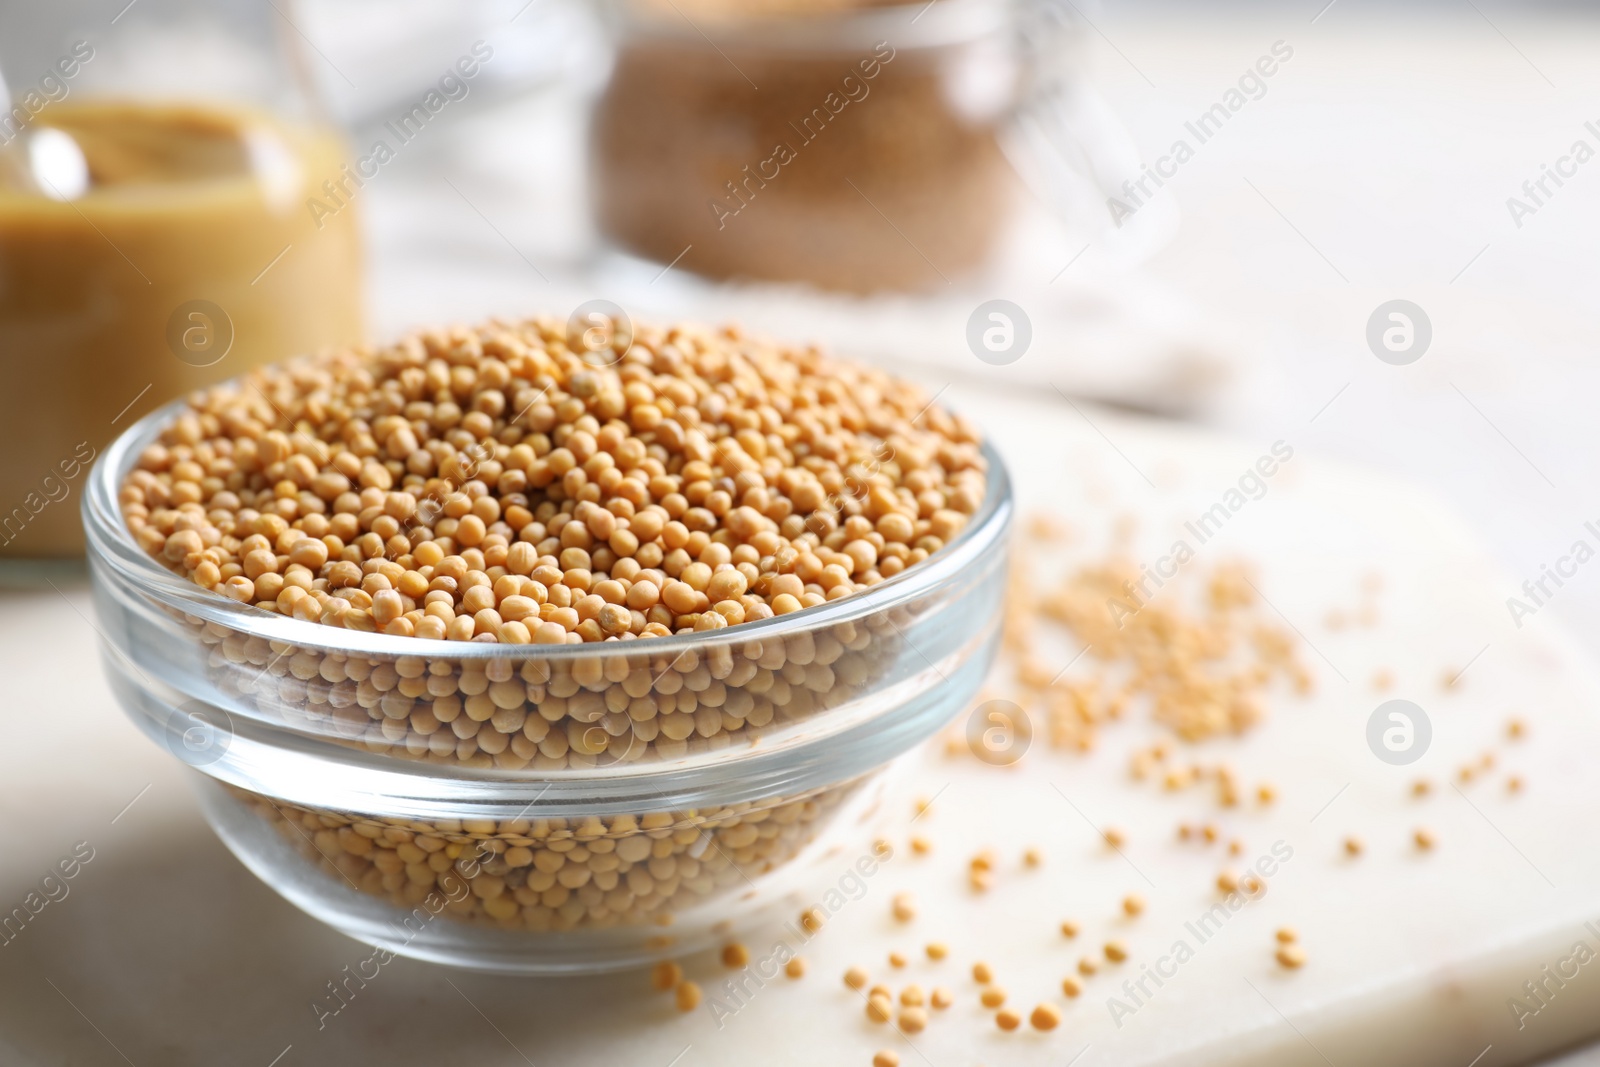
500, 484
544, 875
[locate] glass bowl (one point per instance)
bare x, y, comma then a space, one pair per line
534, 808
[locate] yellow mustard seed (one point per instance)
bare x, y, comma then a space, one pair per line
1069, 928
941, 997
912, 997
1353, 846
1007, 1019
992, 997
937, 950
1087, 966
903, 907
1071, 986
886, 1058
1132, 905
1286, 934
855, 978
880, 1009
1045, 1017
896, 959
795, 968
921, 846
666, 975
1291, 956
1115, 837
982, 974
688, 996
1116, 951
1032, 857
735, 955
913, 1020
1423, 839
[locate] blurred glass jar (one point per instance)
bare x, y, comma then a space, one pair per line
855, 145
164, 224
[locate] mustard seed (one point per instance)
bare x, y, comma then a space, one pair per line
666, 975
941, 997
1423, 839
982, 974
886, 1058
735, 955
855, 978
921, 846
1069, 928
1045, 1017
1071, 986
1286, 934
880, 1009
1087, 966
1032, 857
1132, 904
688, 996
992, 997
1116, 951
911, 996
913, 1020
1291, 956
795, 968
937, 950
896, 960
1007, 1020
1353, 846
903, 907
